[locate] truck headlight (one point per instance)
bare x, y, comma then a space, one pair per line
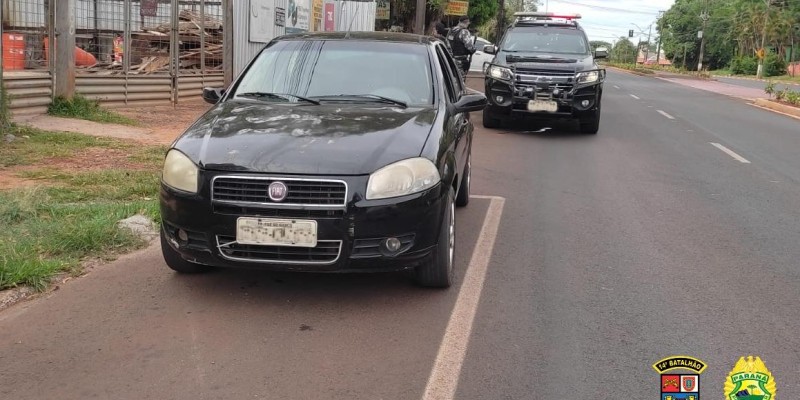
402, 178
501, 73
587, 77
180, 172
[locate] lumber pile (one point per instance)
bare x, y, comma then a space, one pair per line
198, 38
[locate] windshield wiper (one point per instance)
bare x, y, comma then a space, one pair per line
374, 97
284, 96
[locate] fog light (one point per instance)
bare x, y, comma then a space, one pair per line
392, 244
585, 103
499, 99
183, 236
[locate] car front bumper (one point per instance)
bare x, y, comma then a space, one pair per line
349, 237
508, 101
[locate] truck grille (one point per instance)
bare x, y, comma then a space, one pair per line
545, 83
326, 252
254, 190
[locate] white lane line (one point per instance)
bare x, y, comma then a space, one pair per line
635, 97
665, 114
616, 87
443, 381
730, 153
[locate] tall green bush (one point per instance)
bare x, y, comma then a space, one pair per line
744, 65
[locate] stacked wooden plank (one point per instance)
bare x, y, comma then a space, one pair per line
200, 38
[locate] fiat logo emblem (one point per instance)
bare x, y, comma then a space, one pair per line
277, 191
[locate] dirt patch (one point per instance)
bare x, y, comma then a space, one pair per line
95, 158
10, 180
166, 122
91, 159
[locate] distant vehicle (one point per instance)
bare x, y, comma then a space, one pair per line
480, 57
312, 162
544, 69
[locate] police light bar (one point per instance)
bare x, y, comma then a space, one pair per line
546, 15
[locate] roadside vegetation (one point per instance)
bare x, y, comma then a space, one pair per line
786, 96
80, 107
70, 211
734, 33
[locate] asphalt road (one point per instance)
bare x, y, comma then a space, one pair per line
612, 252
757, 84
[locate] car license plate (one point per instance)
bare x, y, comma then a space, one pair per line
542, 105
276, 232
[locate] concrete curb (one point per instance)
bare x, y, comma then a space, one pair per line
765, 81
778, 107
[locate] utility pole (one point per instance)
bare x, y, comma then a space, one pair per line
702, 39
647, 49
762, 51
64, 73
419, 29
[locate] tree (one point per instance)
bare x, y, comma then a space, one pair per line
734, 31
481, 11
624, 51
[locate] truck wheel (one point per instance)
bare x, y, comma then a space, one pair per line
488, 121
591, 124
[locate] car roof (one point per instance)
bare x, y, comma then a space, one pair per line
361, 36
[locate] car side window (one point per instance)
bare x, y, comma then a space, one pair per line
451, 72
452, 91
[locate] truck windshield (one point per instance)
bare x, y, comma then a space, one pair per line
546, 40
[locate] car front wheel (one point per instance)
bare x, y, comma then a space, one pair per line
438, 270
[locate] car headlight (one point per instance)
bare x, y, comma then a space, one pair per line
180, 172
587, 77
402, 178
501, 73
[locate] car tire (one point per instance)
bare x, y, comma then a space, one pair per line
175, 262
488, 121
462, 200
592, 124
437, 271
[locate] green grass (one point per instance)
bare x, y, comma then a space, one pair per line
43, 236
82, 108
34, 146
52, 228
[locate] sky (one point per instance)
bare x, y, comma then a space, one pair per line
609, 19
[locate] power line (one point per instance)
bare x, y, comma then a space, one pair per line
606, 8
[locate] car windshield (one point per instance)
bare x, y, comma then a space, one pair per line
546, 40
317, 69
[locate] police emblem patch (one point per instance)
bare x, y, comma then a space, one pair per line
750, 380
677, 386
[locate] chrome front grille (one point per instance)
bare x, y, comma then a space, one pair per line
547, 83
326, 252
300, 192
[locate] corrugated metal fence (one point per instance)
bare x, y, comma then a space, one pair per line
124, 56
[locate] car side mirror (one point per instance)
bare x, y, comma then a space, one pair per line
212, 95
472, 101
601, 53
490, 49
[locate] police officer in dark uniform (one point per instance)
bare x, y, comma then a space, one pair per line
461, 43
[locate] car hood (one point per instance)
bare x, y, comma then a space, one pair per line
328, 139
565, 62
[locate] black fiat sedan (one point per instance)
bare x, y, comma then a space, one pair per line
332, 152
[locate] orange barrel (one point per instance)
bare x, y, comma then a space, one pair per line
13, 51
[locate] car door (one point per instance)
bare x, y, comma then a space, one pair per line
458, 124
